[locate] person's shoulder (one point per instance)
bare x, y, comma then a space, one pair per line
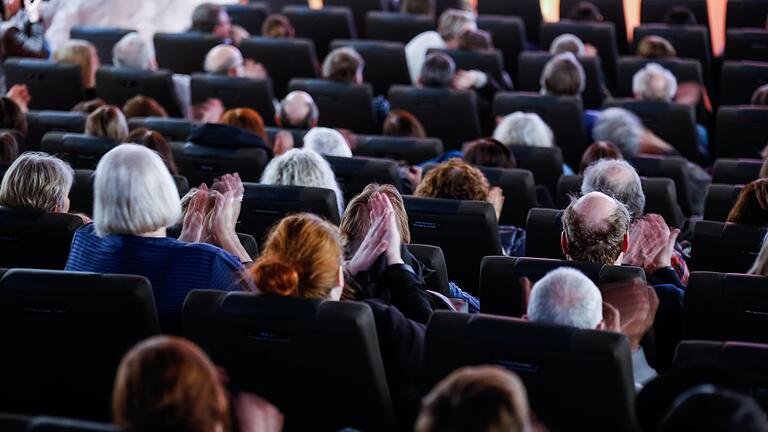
429, 37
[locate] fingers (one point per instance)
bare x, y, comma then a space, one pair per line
673, 233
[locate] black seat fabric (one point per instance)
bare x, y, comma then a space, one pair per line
736, 171
249, 16
173, 129
385, 63
85, 321
17, 423
739, 79
690, 41
40, 123
466, 231
546, 164
264, 205
675, 168
491, 62
236, 92
612, 11
556, 364
450, 115
359, 10
543, 229
601, 35
433, 258
35, 239
745, 13
411, 150
264, 343
183, 53
202, 164
355, 173
502, 293
51, 85
720, 200
348, 106
394, 26
103, 38
508, 35
117, 84
685, 70
528, 10
746, 44
724, 247
564, 115
531, 65
519, 193
322, 25
81, 151
742, 131
654, 11
284, 59
726, 307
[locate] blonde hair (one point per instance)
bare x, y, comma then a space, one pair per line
81, 53
36, 180
107, 121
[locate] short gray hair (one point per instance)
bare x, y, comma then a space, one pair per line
132, 51
327, 142
134, 193
619, 179
452, 22
563, 76
565, 296
526, 129
567, 42
654, 83
223, 58
36, 180
620, 127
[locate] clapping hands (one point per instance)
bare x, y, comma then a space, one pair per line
382, 237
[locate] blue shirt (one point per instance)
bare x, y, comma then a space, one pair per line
173, 267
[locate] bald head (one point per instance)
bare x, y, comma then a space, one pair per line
298, 111
618, 179
595, 229
224, 60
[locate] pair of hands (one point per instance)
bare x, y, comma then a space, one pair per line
20, 94
212, 214
209, 111
465, 80
254, 70
382, 237
657, 245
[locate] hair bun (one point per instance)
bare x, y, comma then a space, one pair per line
275, 277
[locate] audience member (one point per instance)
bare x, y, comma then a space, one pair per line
764, 167
108, 122
417, 7
655, 47
344, 65
654, 83
143, 106
9, 147
37, 181
89, 106
760, 96
277, 26
563, 75
83, 54
479, 399
19, 93
567, 42
12, 116
751, 208
599, 150
302, 167
246, 118
298, 111
565, 296
21, 34
488, 152
585, 11
475, 40
227, 60
523, 129
401, 123
450, 25
679, 15
327, 142
154, 141
213, 19
439, 71
626, 131
135, 201
715, 410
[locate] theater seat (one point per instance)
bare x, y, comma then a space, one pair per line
359, 10
81, 151
685, 70
739, 79
322, 25
249, 16
726, 307
724, 247
236, 92
35, 239
432, 257
746, 44
491, 62
40, 123
690, 41
116, 85
502, 293
466, 231
531, 65
519, 193
346, 106
508, 35
266, 342
567, 372
601, 35
183, 53
528, 10
264, 205
654, 11
17, 423
612, 11
546, 164
173, 129
742, 131
675, 168
385, 63
411, 150
720, 200
284, 59
51, 85
736, 171
355, 173
103, 38
202, 164
395, 26
59, 328
745, 13
543, 229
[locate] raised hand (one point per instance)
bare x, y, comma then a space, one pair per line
194, 228
373, 245
381, 205
231, 183
496, 197
20, 94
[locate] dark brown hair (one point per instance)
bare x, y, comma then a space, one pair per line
89, 106
655, 47
9, 146
488, 152
342, 65
454, 179
143, 106
401, 123
475, 40
277, 26
12, 117
245, 118
599, 150
154, 140
751, 208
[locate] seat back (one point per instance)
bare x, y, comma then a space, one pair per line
491, 62
720, 200
173, 129
264, 343
183, 53
85, 321
726, 307
277, 5
690, 41
736, 171
746, 44
724, 247
546, 164
654, 11
81, 151
385, 63
739, 79
322, 25
542, 234
685, 70
557, 364
433, 258
236, 92
117, 84
528, 10
601, 35
612, 11
745, 13
17, 423
741, 131
40, 123
675, 168
265, 205
564, 115
531, 65
411, 150
249, 16
359, 10
355, 173
348, 106
466, 231
450, 115
35, 239
508, 35
283, 58
202, 164
103, 38
51, 85
395, 26
519, 192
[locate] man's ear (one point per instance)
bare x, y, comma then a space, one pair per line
564, 245
625, 243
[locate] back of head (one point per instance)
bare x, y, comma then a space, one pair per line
585, 11
618, 179
205, 17
327, 142
594, 226
156, 142
488, 152
81, 53
343, 65
525, 129
277, 26
356, 219
476, 399
300, 167
401, 123
706, 408
12, 117
454, 179
565, 296
438, 71
751, 208
478, 40
89, 106
655, 47
132, 51
620, 127
760, 96
679, 15
298, 110
108, 122
221, 59
168, 383
654, 83
563, 76
596, 151
567, 42
134, 192
143, 106
9, 146
302, 258
245, 118
453, 21
417, 7
37, 180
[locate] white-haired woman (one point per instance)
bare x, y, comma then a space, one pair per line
526, 129
135, 201
302, 167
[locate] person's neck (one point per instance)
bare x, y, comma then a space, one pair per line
159, 233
